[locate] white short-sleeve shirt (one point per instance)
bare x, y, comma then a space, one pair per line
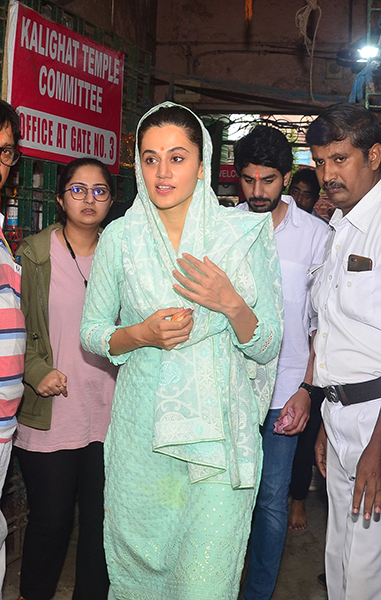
348, 341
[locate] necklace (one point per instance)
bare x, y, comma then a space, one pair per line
72, 254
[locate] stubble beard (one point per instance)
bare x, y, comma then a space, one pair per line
269, 205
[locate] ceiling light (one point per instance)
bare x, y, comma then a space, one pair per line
367, 52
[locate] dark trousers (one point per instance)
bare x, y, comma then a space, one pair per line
269, 526
305, 451
54, 480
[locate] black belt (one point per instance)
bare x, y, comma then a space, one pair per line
353, 393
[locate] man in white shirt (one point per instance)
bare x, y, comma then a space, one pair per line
263, 161
345, 141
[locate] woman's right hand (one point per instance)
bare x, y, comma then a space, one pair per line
53, 384
159, 331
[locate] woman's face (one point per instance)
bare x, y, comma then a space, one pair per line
170, 166
87, 212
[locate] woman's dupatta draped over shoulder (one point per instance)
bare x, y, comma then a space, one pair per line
205, 396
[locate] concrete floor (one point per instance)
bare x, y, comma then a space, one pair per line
303, 556
302, 562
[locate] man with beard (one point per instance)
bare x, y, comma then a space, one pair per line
345, 142
12, 325
263, 161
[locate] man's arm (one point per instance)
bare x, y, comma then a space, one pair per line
12, 325
300, 402
368, 476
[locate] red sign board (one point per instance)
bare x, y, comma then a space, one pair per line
66, 88
228, 174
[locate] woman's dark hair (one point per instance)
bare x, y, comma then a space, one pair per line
174, 115
68, 173
344, 120
264, 146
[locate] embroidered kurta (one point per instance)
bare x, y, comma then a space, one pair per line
183, 451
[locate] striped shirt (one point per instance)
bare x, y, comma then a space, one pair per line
12, 340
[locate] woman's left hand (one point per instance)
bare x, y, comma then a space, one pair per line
207, 284
212, 288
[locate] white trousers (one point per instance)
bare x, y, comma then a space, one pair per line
353, 545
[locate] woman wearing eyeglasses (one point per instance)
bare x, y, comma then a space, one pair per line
65, 411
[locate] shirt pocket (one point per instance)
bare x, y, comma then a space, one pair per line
356, 294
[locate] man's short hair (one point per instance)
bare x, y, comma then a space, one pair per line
307, 176
344, 120
8, 116
264, 146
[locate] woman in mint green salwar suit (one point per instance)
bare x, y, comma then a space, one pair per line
183, 452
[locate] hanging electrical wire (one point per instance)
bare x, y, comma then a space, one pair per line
301, 21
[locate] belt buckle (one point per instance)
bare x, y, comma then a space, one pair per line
332, 394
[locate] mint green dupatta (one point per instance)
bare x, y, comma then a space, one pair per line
206, 407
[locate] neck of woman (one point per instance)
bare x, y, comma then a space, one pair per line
174, 221
82, 240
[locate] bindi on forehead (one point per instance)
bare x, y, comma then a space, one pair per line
256, 175
162, 148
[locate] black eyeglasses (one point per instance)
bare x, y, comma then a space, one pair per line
79, 192
9, 156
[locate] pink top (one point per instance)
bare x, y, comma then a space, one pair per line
83, 416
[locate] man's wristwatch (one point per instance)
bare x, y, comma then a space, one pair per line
307, 386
